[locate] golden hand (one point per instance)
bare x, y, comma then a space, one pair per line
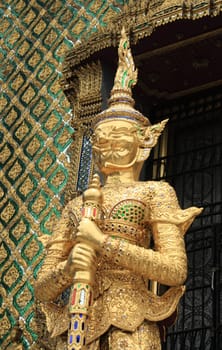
81, 258
90, 233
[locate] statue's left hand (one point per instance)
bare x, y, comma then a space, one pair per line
90, 233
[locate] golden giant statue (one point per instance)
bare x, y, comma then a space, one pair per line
114, 250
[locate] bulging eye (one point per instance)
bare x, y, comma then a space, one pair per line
101, 141
98, 140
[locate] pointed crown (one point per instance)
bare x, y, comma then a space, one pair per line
121, 102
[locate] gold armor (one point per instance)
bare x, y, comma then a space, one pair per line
124, 313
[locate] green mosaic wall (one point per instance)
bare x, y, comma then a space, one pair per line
35, 133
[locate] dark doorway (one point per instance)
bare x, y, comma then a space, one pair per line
180, 79
193, 166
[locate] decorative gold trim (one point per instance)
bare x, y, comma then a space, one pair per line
139, 18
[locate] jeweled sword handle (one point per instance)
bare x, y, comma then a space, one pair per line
81, 296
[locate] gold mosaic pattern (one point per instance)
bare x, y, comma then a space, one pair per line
35, 132
140, 18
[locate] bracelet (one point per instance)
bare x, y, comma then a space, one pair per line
110, 246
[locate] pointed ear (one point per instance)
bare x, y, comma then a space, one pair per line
152, 134
149, 139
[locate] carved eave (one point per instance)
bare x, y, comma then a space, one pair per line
139, 19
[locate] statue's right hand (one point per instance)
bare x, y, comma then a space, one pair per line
81, 258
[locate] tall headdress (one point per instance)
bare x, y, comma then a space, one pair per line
121, 102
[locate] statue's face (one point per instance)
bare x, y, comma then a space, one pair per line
115, 145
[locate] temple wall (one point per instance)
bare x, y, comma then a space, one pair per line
35, 134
